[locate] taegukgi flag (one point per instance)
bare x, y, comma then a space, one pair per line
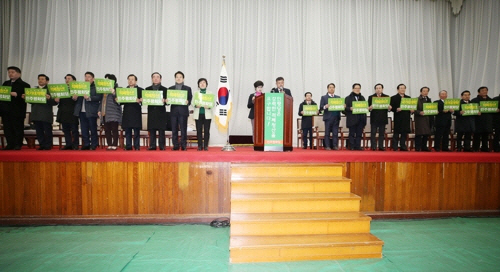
224, 101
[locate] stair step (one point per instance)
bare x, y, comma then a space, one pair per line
283, 203
304, 247
286, 170
258, 185
299, 223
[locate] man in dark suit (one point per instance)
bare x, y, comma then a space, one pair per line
280, 83
42, 115
378, 119
355, 122
484, 123
307, 121
331, 118
443, 124
13, 113
401, 120
157, 115
132, 116
496, 127
66, 118
180, 113
86, 109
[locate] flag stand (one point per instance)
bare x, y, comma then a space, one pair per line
228, 146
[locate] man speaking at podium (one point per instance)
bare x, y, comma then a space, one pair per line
280, 82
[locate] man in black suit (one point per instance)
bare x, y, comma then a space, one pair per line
355, 122
331, 118
157, 115
86, 109
402, 120
378, 119
180, 113
66, 118
484, 123
496, 127
443, 124
307, 121
42, 115
280, 82
13, 113
132, 116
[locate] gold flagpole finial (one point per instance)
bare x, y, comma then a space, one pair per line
223, 60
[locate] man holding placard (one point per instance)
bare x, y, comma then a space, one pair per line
131, 99
13, 108
443, 122
356, 108
307, 110
484, 121
465, 122
423, 120
86, 108
42, 115
496, 126
179, 97
154, 97
204, 101
65, 115
331, 116
402, 119
380, 104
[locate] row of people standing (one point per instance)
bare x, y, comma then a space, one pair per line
85, 110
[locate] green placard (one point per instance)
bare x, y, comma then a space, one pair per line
408, 104
5, 93
488, 106
177, 97
152, 98
309, 110
381, 103
103, 85
274, 106
470, 109
336, 104
430, 108
59, 90
359, 107
35, 95
79, 88
452, 104
204, 100
126, 95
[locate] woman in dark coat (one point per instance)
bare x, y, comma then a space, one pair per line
111, 115
258, 85
132, 116
157, 115
423, 123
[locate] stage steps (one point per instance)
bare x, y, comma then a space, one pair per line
294, 212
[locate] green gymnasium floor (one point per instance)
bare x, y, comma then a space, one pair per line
457, 244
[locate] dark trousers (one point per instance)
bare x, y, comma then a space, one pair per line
355, 134
128, 138
467, 138
421, 142
332, 126
111, 131
203, 130
399, 138
14, 130
89, 124
44, 134
179, 121
480, 138
71, 134
496, 140
442, 138
307, 133
380, 128
161, 138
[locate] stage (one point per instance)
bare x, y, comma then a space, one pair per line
137, 187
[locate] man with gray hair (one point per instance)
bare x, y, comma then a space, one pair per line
442, 124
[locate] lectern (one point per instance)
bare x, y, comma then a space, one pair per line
273, 122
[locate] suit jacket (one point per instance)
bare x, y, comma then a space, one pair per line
17, 106
326, 113
401, 119
65, 111
250, 105
423, 124
443, 119
92, 106
43, 112
354, 119
287, 91
484, 122
464, 123
496, 116
181, 110
377, 116
208, 112
157, 115
306, 120
132, 112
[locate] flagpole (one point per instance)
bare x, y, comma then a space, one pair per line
228, 146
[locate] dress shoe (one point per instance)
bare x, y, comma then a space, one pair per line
446, 150
175, 148
199, 148
381, 149
75, 147
459, 149
17, 147
358, 149
8, 147
403, 149
152, 148
68, 147
87, 147
128, 148
162, 148
93, 147
205, 148
328, 148
335, 148
304, 147
485, 150
373, 149
468, 150
184, 148
417, 149
137, 148
41, 148
426, 150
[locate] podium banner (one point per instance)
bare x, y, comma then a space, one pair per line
273, 121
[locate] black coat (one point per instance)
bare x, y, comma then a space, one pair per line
423, 123
287, 91
326, 113
464, 123
92, 106
378, 116
17, 106
401, 119
157, 115
496, 116
250, 105
132, 112
181, 110
43, 112
65, 111
306, 120
353, 119
484, 122
443, 119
